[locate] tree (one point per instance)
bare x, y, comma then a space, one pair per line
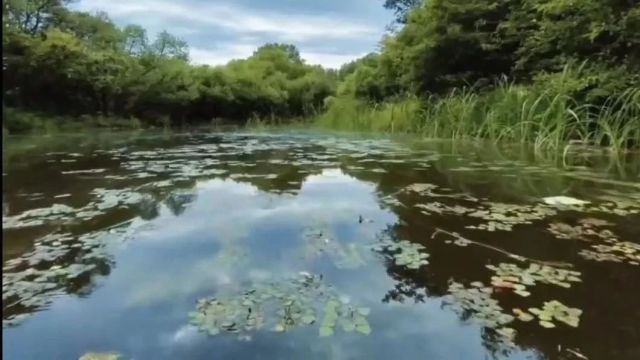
95, 30
551, 32
31, 16
135, 41
401, 8
168, 45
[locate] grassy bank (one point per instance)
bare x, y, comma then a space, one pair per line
508, 113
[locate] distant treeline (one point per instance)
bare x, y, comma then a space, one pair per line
61, 61
586, 52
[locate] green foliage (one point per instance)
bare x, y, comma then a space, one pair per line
548, 119
541, 71
73, 63
401, 8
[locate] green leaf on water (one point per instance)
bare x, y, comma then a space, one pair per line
364, 311
547, 324
363, 328
308, 319
326, 331
348, 326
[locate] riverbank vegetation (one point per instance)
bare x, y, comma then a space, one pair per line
542, 72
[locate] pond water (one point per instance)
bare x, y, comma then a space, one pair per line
316, 246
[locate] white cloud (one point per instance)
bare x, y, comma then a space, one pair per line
284, 27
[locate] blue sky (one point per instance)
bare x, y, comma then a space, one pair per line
327, 32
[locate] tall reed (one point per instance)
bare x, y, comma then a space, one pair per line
508, 113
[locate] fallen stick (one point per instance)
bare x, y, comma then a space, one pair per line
500, 250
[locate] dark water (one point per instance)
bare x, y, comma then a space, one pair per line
133, 229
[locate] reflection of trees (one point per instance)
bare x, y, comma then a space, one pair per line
177, 201
148, 209
30, 281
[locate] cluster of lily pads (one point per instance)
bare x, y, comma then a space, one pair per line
609, 249
619, 204
622, 251
552, 311
439, 208
586, 230
404, 252
428, 190
501, 216
498, 216
512, 276
280, 306
495, 216
477, 304
36, 217
105, 199
350, 318
33, 279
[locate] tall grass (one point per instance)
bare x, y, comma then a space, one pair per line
508, 113
353, 115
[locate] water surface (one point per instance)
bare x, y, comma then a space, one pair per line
110, 240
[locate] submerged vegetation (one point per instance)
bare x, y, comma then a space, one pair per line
542, 72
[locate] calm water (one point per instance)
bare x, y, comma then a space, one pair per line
109, 241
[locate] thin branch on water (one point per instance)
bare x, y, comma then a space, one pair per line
500, 250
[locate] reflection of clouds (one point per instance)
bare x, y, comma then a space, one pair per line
226, 213
157, 287
185, 335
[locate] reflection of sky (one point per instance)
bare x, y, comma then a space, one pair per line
140, 310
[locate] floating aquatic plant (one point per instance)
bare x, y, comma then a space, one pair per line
405, 253
36, 217
105, 199
476, 303
623, 251
556, 311
280, 306
428, 190
31, 280
612, 250
586, 229
519, 279
351, 319
500, 216
441, 209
